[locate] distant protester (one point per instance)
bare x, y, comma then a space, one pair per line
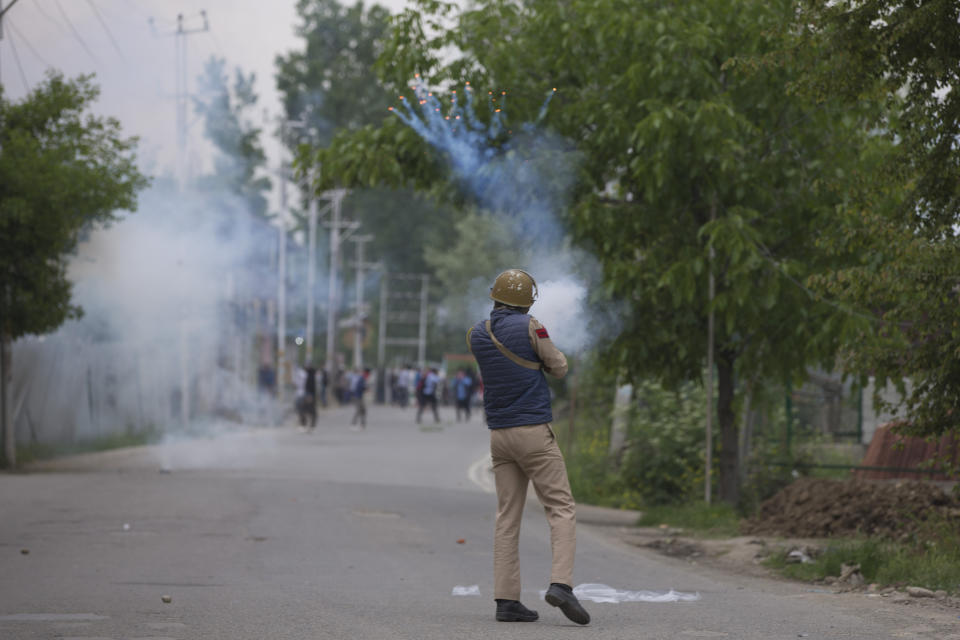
463, 391
306, 398
427, 393
358, 389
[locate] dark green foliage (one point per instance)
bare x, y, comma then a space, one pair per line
62, 171
903, 205
663, 460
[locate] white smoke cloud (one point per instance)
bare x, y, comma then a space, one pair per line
522, 175
178, 303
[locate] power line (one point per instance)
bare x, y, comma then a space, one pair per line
216, 43
39, 7
16, 57
3, 11
105, 27
27, 42
73, 29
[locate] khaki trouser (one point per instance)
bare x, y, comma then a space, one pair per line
521, 455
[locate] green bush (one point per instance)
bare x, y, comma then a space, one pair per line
664, 458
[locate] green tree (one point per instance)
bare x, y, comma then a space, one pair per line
905, 56
330, 84
686, 148
62, 171
226, 111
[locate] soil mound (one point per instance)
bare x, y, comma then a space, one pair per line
821, 508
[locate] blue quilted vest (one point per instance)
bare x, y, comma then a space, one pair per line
513, 395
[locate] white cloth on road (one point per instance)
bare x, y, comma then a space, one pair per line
473, 590
603, 593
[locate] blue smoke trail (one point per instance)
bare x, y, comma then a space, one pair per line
526, 175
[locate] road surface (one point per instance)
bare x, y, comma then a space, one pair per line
273, 534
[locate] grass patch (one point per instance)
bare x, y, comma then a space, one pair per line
934, 564
39, 451
715, 520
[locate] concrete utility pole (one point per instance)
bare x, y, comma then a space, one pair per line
6, 423
403, 316
382, 333
282, 287
311, 263
333, 301
3, 12
422, 346
182, 87
360, 241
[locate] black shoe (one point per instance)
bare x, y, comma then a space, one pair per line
561, 595
513, 611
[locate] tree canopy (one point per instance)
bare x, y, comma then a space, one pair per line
330, 82
62, 170
903, 227
688, 145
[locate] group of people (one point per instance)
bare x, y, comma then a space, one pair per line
311, 384
430, 388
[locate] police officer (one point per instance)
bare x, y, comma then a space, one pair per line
514, 351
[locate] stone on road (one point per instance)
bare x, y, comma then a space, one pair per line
275, 534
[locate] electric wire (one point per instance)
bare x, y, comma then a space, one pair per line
73, 30
103, 24
216, 43
16, 58
4, 10
39, 7
33, 50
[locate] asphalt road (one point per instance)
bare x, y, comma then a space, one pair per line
275, 534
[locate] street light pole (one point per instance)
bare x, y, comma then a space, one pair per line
332, 298
282, 288
311, 263
422, 339
361, 241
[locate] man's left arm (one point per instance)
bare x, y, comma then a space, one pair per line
554, 362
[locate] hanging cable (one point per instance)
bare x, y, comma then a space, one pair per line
105, 27
73, 29
16, 58
25, 41
39, 7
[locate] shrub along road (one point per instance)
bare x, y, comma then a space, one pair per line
273, 533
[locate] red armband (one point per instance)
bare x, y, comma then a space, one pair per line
542, 333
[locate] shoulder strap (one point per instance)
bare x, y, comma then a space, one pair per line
523, 362
469, 345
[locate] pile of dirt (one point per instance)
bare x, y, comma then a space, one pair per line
821, 508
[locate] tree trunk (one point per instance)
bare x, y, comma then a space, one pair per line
6, 421
729, 434
622, 399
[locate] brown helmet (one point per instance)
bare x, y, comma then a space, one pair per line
514, 287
